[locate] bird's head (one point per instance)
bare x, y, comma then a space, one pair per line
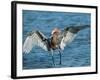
56, 31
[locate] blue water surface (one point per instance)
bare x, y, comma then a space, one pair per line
77, 54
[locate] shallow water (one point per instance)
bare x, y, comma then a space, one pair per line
76, 54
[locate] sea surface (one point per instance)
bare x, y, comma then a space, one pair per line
76, 54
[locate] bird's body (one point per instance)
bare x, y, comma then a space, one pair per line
59, 39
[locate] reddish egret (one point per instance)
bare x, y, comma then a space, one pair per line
58, 40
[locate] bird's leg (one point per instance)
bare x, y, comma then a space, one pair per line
52, 57
60, 57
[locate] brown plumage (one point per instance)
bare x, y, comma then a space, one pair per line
55, 38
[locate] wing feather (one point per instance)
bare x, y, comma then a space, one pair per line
70, 33
35, 39
68, 38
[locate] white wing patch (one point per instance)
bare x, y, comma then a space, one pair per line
67, 39
27, 44
32, 41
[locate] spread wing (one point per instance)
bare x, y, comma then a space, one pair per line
69, 34
35, 39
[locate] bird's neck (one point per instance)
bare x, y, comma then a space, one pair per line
54, 42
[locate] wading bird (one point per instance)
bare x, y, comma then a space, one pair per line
58, 40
